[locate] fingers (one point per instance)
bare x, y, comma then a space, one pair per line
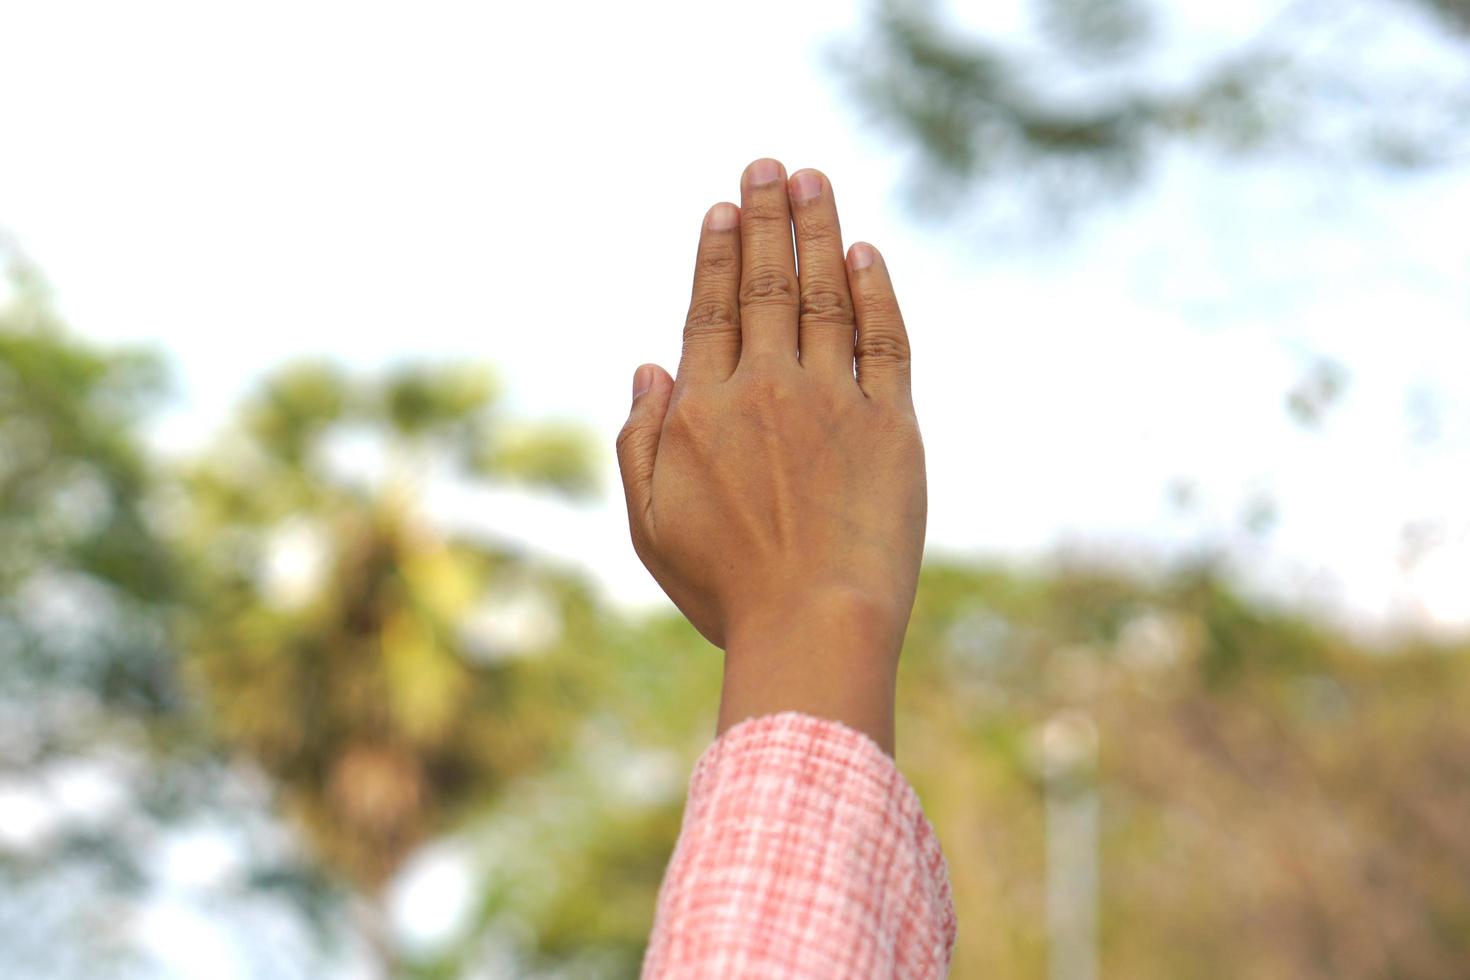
768, 296
712, 328
882, 342
638, 445
826, 315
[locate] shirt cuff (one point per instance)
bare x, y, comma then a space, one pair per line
804, 853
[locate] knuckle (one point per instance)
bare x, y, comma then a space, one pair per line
758, 393
825, 302
685, 419
815, 228
882, 346
897, 424
709, 316
627, 438
767, 286
889, 424
766, 208
764, 387
716, 263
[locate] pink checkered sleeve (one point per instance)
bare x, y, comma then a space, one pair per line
804, 854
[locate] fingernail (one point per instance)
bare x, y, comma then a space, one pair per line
805, 186
642, 381
764, 172
861, 255
723, 217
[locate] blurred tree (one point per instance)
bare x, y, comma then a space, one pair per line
1278, 799
105, 752
277, 607
1077, 110
87, 672
388, 676
1075, 107
72, 482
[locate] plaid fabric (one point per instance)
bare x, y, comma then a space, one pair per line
804, 853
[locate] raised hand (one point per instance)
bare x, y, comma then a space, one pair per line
776, 487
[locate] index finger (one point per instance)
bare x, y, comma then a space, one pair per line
712, 328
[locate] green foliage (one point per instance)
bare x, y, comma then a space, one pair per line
384, 697
86, 586
548, 454
283, 608
1074, 119
71, 471
361, 687
73, 524
418, 400
1103, 29
1246, 752
295, 406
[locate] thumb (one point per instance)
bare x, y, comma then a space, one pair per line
638, 442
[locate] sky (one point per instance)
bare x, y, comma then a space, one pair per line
523, 185
238, 185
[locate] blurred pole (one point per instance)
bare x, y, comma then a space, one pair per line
1069, 758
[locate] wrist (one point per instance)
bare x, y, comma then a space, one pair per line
833, 655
